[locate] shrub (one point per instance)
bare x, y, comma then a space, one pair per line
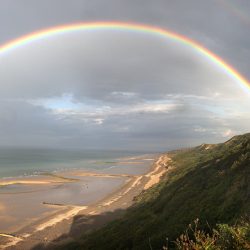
224, 237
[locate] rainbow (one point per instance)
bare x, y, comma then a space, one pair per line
120, 26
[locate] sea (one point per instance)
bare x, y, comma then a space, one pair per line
19, 162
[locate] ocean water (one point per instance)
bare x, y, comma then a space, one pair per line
24, 161
25, 203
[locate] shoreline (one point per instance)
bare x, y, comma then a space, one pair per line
47, 229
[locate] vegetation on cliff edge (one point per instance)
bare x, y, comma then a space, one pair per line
209, 182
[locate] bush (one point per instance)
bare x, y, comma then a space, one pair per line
224, 237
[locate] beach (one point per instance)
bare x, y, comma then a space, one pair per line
44, 207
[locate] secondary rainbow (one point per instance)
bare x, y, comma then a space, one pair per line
32, 37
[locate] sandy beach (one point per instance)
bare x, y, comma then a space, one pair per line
59, 202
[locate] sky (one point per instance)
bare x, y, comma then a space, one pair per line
119, 89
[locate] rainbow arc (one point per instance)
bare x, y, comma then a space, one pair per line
218, 61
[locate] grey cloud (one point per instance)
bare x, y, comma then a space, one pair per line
122, 62
121, 77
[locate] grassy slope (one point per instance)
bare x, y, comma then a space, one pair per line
211, 184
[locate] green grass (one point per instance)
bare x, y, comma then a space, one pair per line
210, 184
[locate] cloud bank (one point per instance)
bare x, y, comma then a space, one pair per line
121, 90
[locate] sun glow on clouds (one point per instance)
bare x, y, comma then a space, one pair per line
69, 109
66, 108
228, 133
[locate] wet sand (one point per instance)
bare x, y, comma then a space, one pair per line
24, 203
69, 194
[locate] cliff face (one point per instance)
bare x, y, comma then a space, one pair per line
209, 182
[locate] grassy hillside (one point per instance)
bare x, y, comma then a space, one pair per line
209, 182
